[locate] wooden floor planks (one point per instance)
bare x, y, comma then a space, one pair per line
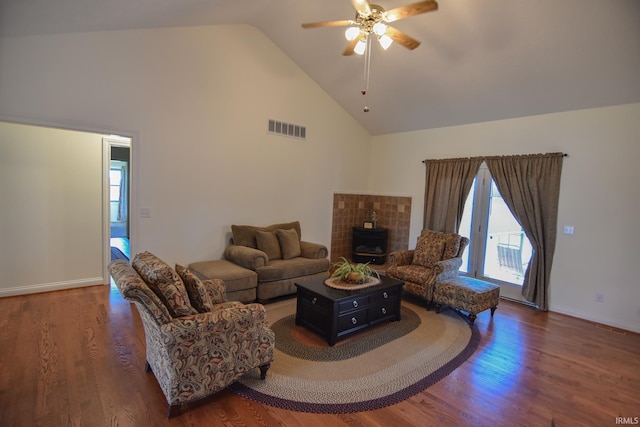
76, 357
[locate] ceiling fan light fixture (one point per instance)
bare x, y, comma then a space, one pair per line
351, 33
385, 41
379, 28
360, 47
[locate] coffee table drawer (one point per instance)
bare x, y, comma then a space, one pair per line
351, 321
354, 303
383, 311
314, 300
386, 295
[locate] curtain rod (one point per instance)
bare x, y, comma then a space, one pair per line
563, 155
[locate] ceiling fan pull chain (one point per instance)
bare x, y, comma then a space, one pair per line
367, 66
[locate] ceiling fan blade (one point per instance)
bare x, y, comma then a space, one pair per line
345, 23
410, 10
400, 37
349, 49
361, 6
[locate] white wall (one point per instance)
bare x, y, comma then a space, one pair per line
51, 215
599, 195
196, 101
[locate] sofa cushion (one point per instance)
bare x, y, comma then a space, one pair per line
245, 235
289, 243
269, 244
164, 281
199, 295
429, 250
281, 269
235, 277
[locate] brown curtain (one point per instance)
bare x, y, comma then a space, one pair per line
447, 185
530, 186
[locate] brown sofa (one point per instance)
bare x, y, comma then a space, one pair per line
278, 255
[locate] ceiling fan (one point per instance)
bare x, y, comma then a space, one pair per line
372, 20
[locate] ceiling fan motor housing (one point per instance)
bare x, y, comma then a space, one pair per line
366, 21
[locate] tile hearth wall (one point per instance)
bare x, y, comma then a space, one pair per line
352, 210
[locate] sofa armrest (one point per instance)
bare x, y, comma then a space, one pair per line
401, 257
246, 257
313, 250
447, 269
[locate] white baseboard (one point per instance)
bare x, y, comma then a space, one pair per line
602, 321
48, 287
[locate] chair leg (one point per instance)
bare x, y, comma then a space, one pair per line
472, 318
174, 410
263, 370
493, 310
438, 307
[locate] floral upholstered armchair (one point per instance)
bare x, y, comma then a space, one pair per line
196, 343
437, 257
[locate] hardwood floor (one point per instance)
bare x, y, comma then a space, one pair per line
76, 357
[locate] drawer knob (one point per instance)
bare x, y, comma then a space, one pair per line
384, 310
355, 304
314, 300
385, 295
354, 320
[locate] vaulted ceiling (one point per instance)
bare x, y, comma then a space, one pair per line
480, 60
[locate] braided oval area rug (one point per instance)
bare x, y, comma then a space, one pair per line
377, 367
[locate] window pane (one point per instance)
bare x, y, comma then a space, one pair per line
115, 176
114, 193
114, 211
507, 250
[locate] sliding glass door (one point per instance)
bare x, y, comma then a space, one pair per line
499, 251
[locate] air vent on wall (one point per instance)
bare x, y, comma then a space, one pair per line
287, 129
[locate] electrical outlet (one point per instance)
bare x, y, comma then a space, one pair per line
145, 213
599, 297
568, 229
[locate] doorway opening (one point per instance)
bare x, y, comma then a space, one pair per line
119, 197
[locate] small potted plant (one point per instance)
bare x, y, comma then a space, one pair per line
353, 273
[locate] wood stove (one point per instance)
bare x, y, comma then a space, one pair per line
369, 245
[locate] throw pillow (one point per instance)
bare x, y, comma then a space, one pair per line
452, 242
452, 246
164, 281
289, 243
268, 243
429, 250
198, 294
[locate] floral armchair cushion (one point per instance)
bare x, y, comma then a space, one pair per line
434, 246
204, 295
428, 252
164, 281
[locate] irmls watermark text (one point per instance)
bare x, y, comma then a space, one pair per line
628, 420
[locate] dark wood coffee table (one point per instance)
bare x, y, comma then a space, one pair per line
336, 313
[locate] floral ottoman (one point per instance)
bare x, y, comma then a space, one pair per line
466, 294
